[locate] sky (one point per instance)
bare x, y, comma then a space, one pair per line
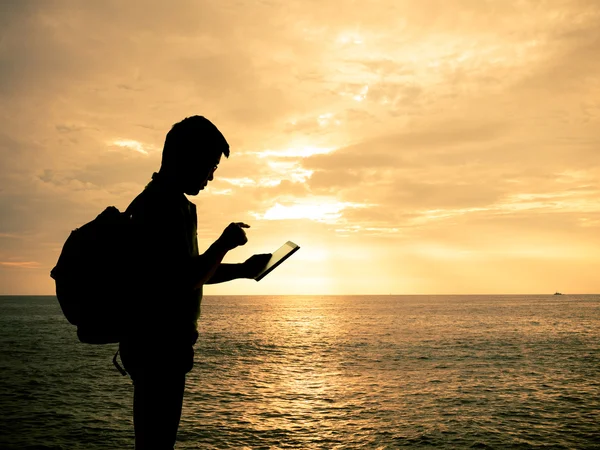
408, 147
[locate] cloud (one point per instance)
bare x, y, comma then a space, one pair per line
20, 264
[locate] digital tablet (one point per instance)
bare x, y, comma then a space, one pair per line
283, 253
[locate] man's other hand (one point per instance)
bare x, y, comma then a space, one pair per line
234, 235
255, 264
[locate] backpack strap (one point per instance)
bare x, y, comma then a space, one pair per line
118, 366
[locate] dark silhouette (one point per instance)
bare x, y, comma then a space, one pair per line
157, 350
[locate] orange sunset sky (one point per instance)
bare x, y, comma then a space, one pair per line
408, 147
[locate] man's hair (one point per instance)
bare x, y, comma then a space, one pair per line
191, 136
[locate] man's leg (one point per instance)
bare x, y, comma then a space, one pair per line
157, 403
158, 386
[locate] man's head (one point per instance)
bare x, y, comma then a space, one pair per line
192, 152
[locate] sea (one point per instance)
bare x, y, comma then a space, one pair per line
324, 372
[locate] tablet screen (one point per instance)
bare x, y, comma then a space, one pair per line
279, 256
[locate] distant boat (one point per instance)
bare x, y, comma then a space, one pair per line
557, 293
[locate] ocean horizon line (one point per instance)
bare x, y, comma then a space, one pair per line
353, 295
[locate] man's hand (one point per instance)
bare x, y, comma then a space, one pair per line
254, 265
234, 235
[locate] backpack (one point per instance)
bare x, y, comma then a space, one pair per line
95, 276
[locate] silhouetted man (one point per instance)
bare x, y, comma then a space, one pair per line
158, 350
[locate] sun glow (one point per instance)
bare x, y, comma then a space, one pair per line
350, 38
320, 210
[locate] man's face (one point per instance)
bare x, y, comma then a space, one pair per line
199, 174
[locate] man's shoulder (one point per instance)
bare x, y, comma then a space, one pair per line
156, 203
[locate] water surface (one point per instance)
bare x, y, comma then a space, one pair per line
325, 372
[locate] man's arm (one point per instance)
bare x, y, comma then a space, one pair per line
203, 267
226, 272
248, 269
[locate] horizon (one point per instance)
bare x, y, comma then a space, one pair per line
405, 147
361, 295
